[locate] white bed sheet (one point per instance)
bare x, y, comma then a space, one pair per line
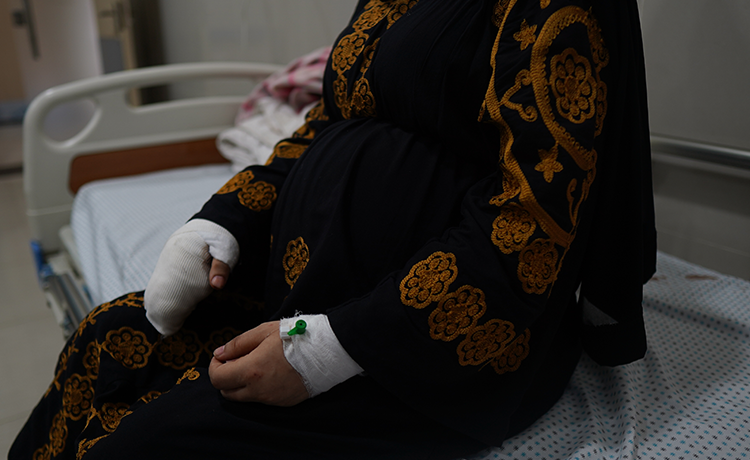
689, 398
120, 225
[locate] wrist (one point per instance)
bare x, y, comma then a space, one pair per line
316, 354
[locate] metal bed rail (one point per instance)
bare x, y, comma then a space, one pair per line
699, 155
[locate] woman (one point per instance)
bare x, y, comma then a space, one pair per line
471, 165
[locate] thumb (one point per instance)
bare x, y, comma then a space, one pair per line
219, 274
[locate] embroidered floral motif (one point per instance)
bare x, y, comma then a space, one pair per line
258, 196
61, 366
429, 280
58, 434
485, 342
111, 414
361, 101
180, 350
43, 453
190, 374
295, 260
573, 86
549, 164
457, 313
526, 35
537, 266
129, 347
77, 396
512, 228
238, 182
91, 360
510, 359
130, 300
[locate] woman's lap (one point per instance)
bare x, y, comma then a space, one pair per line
120, 390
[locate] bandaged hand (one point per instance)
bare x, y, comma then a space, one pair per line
196, 259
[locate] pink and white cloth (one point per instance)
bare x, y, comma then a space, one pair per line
274, 110
299, 84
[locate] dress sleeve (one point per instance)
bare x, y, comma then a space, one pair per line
462, 328
244, 205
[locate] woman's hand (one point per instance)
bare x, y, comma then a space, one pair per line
219, 273
252, 368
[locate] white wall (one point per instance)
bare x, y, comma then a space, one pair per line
68, 50
698, 70
275, 31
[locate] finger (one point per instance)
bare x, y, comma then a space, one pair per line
246, 342
228, 376
219, 274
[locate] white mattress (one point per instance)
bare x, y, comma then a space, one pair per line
120, 225
689, 398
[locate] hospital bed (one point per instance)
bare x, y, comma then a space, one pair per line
138, 173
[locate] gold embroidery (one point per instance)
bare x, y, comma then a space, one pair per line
537, 266
361, 101
180, 350
527, 114
62, 365
111, 414
513, 228
238, 182
511, 187
573, 83
58, 434
485, 342
129, 347
498, 14
91, 360
286, 149
258, 196
526, 35
289, 148
130, 300
87, 444
295, 260
77, 396
573, 80
457, 313
511, 358
573, 86
549, 164
190, 374
150, 396
43, 453
429, 280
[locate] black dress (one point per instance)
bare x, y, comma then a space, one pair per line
471, 164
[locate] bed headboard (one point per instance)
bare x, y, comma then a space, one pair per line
121, 139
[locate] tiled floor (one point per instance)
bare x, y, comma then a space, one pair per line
30, 339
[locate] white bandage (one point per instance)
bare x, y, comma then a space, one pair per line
317, 355
180, 279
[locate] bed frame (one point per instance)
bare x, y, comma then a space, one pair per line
119, 140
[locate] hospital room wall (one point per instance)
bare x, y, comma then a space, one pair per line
276, 31
698, 72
